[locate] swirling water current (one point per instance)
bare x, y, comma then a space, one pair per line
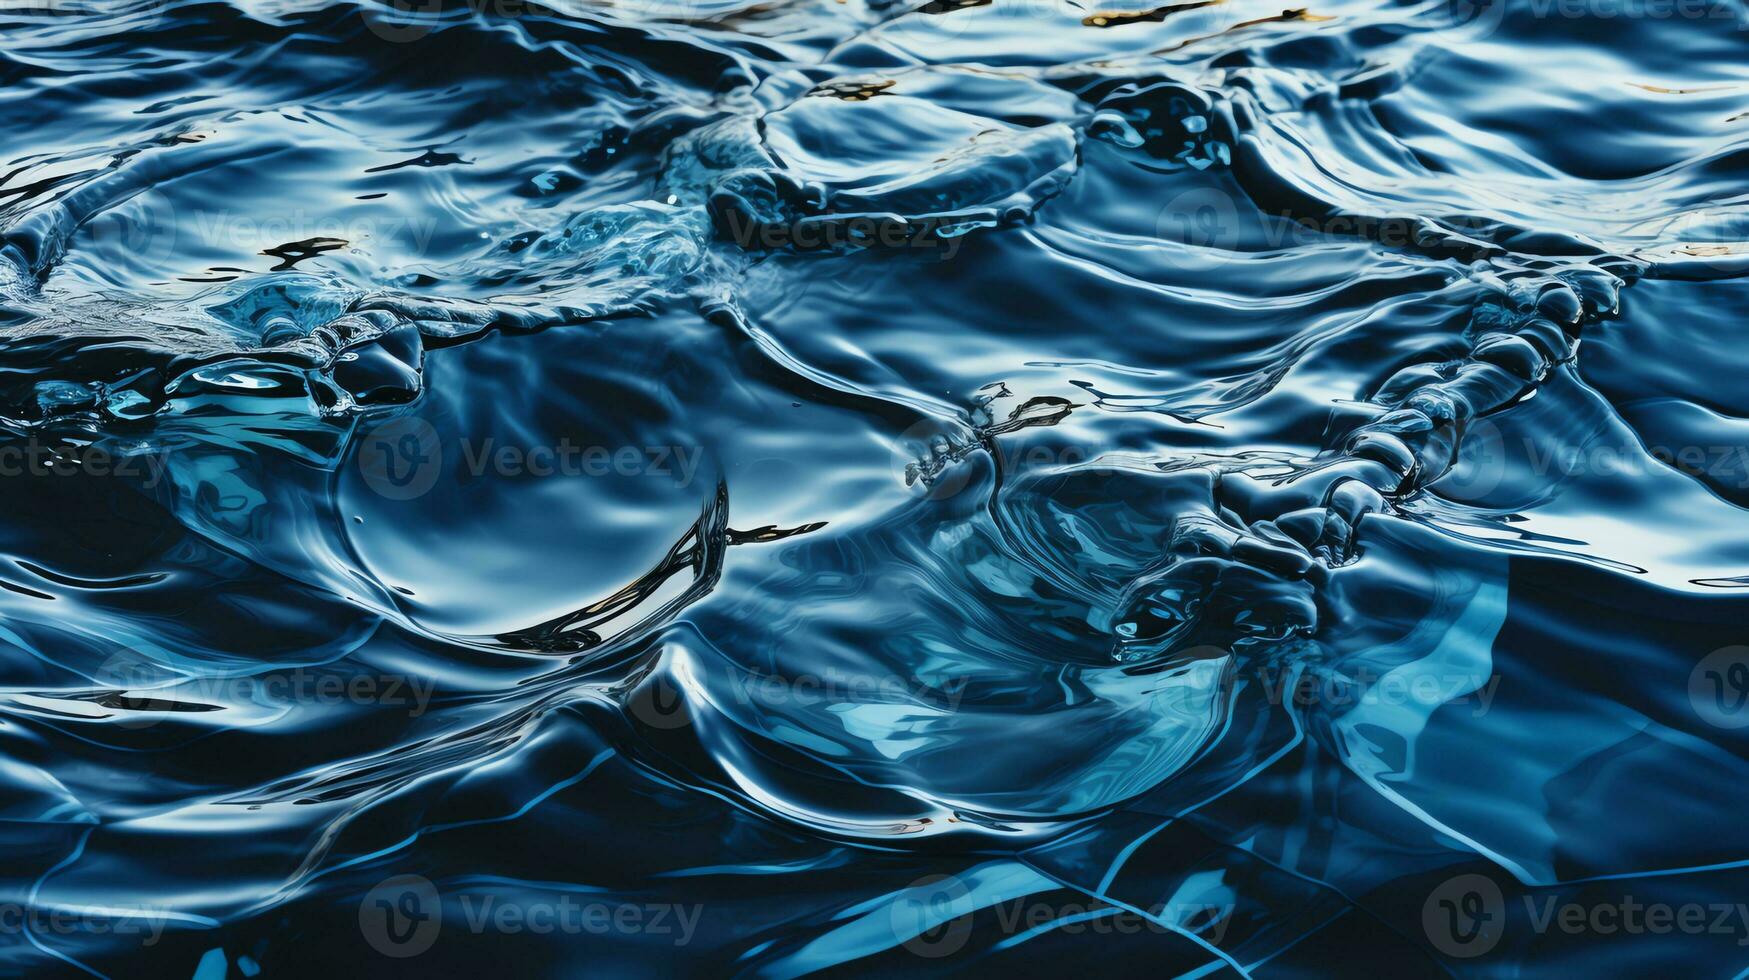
709, 487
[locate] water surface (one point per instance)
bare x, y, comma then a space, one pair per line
704, 487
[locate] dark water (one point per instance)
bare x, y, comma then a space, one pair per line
735, 488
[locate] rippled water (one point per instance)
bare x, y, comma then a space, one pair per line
728, 487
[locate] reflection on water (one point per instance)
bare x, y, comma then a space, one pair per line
760, 488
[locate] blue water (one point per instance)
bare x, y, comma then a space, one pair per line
705, 487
